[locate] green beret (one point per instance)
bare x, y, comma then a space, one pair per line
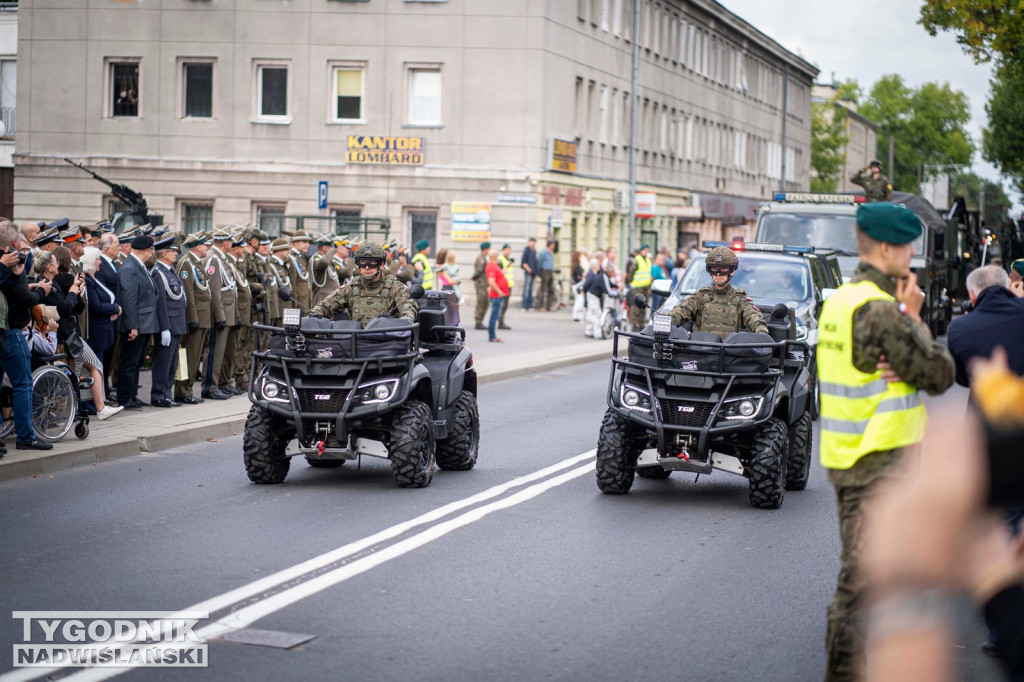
485, 245
1018, 265
891, 223
422, 244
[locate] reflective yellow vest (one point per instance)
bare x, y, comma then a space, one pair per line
428, 272
506, 266
642, 276
860, 413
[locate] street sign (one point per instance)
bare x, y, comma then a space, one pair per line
517, 198
321, 193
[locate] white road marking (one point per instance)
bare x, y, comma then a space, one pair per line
254, 612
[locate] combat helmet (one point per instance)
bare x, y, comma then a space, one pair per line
369, 250
721, 256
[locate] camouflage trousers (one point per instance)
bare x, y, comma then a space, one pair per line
483, 304
638, 316
844, 644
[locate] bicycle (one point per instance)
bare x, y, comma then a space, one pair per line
56, 401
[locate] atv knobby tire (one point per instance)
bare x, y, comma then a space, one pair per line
411, 446
324, 463
263, 446
616, 463
458, 451
798, 456
653, 472
767, 468
814, 389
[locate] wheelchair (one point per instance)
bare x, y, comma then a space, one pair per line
56, 400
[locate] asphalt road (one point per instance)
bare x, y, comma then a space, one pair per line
516, 579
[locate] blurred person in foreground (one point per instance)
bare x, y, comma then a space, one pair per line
934, 533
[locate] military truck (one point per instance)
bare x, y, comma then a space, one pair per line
829, 221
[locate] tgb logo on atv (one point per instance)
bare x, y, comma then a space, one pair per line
686, 408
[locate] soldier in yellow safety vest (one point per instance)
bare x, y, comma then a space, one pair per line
875, 355
505, 260
638, 274
422, 264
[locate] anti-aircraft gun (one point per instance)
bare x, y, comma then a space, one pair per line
130, 209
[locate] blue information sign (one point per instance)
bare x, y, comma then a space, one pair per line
321, 194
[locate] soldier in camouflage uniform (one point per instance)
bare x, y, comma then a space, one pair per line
876, 186
879, 312
720, 308
480, 285
371, 293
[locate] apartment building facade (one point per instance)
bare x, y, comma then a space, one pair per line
459, 120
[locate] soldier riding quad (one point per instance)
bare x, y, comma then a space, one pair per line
682, 401
398, 390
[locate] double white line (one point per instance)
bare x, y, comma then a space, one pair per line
248, 615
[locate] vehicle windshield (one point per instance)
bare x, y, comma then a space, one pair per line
767, 281
824, 230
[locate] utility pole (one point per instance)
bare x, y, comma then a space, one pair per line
634, 105
892, 156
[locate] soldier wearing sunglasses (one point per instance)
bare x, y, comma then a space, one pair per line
720, 308
370, 293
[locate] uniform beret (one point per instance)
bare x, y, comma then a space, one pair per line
506, 246
485, 245
422, 244
886, 222
1018, 266
644, 246
142, 242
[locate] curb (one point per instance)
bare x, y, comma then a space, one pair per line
119, 447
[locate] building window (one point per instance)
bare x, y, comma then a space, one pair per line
8, 92
424, 96
347, 82
422, 225
197, 89
123, 88
270, 218
196, 216
272, 92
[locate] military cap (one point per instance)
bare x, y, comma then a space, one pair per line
875, 162
264, 239
422, 244
41, 224
146, 228
644, 246
300, 236
165, 244
142, 242
238, 239
1018, 266
194, 239
485, 245
61, 224
48, 236
887, 222
280, 244
250, 233
506, 246
71, 234
106, 227
325, 240
340, 241
221, 234
128, 234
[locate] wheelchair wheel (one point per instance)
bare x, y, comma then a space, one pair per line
82, 430
607, 324
54, 403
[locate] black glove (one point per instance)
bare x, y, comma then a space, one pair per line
220, 325
193, 326
316, 315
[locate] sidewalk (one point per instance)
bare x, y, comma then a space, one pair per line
536, 343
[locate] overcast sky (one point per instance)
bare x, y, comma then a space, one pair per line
869, 39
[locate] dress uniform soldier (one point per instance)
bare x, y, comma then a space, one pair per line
298, 269
371, 293
235, 370
867, 418
480, 284
172, 312
270, 285
638, 275
341, 261
324, 275
278, 260
876, 186
720, 308
191, 271
49, 239
224, 296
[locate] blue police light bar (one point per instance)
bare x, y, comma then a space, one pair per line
815, 198
769, 248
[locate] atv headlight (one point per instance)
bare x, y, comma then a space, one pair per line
801, 332
377, 391
274, 390
746, 407
634, 398
270, 391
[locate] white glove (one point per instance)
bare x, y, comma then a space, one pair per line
165, 338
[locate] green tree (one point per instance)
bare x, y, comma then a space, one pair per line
1003, 139
828, 124
986, 29
928, 125
849, 91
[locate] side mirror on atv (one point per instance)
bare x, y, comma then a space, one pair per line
284, 293
780, 311
416, 291
640, 301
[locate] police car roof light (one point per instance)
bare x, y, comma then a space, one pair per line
771, 248
819, 198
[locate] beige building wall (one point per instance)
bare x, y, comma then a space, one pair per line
514, 75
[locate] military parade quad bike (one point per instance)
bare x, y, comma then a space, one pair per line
692, 402
397, 390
